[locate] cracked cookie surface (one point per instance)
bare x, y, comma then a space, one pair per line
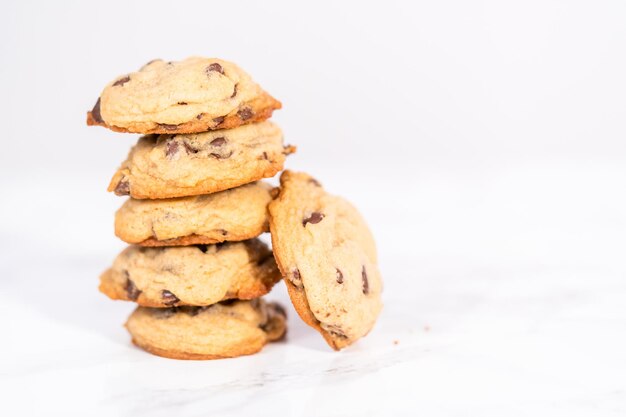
327, 255
231, 215
166, 166
223, 330
189, 96
191, 275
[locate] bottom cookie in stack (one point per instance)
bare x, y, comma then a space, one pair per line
223, 330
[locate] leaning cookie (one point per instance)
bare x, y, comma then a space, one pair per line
189, 96
191, 275
231, 215
327, 255
167, 166
223, 330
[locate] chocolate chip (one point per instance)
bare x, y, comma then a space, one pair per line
339, 276
295, 278
265, 156
314, 182
218, 120
245, 113
165, 313
221, 156
122, 188
168, 127
168, 297
121, 81
314, 218
234, 91
194, 310
334, 330
215, 67
264, 257
199, 116
366, 285
203, 248
224, 232
95, 112
181, 103
150, 62
171, 148
132, 292
189, 148
218, 141
278, 309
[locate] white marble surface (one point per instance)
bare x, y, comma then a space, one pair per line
504, 295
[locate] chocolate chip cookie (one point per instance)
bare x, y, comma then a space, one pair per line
327, 255
223, 330
191, 275
165, 166
189, 96
231, 215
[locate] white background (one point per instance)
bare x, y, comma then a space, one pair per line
483, 141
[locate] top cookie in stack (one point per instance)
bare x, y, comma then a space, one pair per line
193, 180
191, 96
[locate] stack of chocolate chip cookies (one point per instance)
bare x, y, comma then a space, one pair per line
197, 204
195, 266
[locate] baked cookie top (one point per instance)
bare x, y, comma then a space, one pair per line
191, 275
221, 330
189, 96
327, 255
231, 215
165, 166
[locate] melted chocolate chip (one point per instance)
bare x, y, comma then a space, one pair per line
165, 313
366, 285
314, 182
234, 91
314, 218
121, 81
218, 141
295, 278
194, 311
181, 103
169, 299
132, 292
95, 112
334, 330
219, 120
215, 67
245, 113
171, 148
339, 276
122, 188
189, 148
168, 127
277, 308
221, 156
263, 258
150, 62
